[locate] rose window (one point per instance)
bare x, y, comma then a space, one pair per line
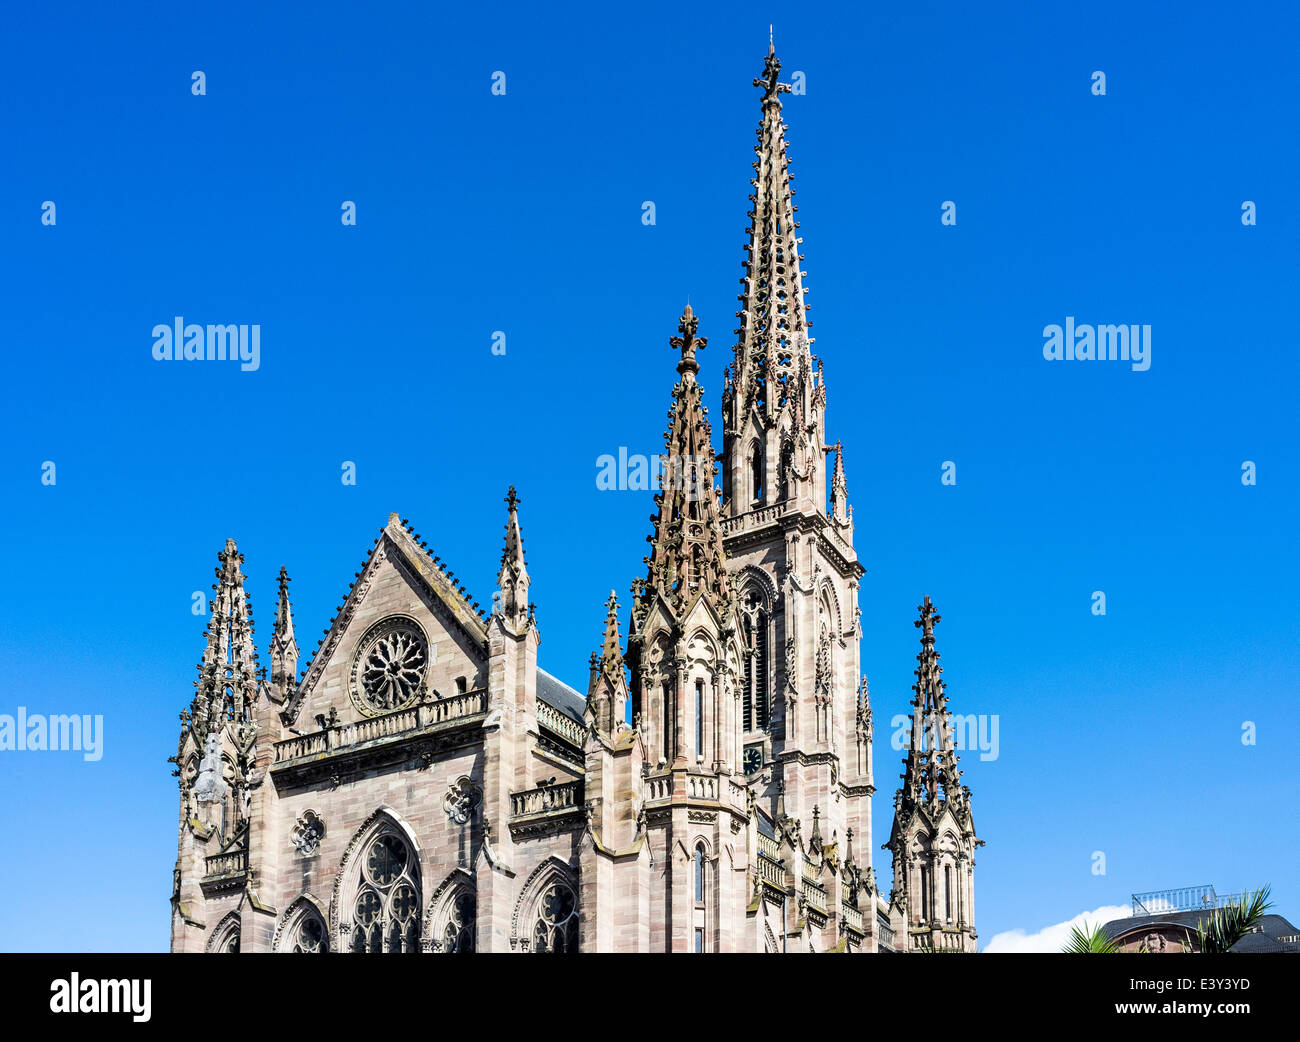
393, 670
388, 671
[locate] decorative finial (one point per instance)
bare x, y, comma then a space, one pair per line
512, 500
771, 70
771, 47
927, 620
688, 343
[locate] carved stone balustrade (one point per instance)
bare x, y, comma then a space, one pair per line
546, 809
440, 723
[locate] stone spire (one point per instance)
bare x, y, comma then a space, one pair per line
864, 724
774, 402
513, 581
607, 689
284, 648
933, 839
227, 684
931, 764
773, 333
686, 557
611, 652
841, 512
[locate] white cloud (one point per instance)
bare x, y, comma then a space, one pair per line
1054, 938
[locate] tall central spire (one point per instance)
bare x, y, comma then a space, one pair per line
773, 335
773, 399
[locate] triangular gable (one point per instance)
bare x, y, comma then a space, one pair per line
398, 545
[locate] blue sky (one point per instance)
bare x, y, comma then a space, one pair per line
522, 213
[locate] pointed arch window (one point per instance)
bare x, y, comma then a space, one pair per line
556, 928
458, 934
308, 935
755, 474
699, 720
756, 708
385, 912
695, 574
824, 665
226, 940
701, 917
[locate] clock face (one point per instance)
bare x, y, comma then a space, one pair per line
753, 759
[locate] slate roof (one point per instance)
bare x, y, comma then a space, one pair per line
558, 695
1271, 928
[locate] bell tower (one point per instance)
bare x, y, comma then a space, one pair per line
788, 528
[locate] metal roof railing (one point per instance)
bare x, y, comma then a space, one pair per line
1182, 899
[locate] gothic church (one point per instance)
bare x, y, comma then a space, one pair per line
424, 786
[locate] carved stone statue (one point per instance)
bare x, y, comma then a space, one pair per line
210, 787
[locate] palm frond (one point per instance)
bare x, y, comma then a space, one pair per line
1090, 940
1228, 925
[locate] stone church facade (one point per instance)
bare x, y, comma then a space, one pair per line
425, 786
